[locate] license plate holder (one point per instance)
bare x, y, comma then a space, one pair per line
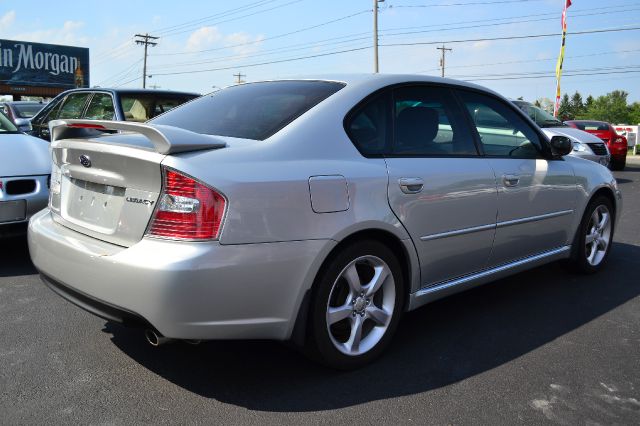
13, 211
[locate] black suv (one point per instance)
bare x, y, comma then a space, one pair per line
107, 104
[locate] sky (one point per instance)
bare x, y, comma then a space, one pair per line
202, 44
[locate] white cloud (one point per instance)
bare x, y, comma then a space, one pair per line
7, 19
68, 34
203, 38
245, 43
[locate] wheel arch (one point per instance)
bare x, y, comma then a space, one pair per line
402, 248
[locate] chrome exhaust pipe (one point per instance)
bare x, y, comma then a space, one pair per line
155, 339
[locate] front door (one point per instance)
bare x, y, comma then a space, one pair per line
536, 195
439, 187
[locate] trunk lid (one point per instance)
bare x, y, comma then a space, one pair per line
107, 186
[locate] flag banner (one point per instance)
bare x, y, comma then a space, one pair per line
556, 106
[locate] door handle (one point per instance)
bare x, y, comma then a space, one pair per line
510, 180
411, 185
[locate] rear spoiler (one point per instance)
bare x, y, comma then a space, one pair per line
165, 139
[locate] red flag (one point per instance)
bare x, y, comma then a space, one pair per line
568, 3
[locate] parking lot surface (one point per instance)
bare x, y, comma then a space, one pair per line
543, 346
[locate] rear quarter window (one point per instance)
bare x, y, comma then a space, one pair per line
250, 111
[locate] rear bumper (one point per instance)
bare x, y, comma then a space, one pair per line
184, 290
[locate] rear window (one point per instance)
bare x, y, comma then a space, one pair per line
142, 107
591, 125
27, 110
250, 111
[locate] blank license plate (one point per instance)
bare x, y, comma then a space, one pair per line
11, 211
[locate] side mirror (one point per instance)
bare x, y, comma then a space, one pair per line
23, 124
561, 146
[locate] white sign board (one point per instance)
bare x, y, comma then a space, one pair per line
629, 132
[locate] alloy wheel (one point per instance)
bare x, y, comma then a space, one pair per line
598, 235
361, 305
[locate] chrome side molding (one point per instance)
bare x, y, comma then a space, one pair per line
495, 225
440, 290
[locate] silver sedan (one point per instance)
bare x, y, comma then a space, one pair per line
25, 165
312, 210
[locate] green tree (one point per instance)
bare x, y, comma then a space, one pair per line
634, 113
611, 107
588, 103
577, 106
564, 111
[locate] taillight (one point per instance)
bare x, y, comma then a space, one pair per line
187, 209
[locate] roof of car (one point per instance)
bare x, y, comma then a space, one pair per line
586, 121
130, 91
381, 79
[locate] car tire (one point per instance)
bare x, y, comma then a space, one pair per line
356, 304
618, 165
594, 237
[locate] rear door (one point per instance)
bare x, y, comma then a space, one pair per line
536, 195
440, 188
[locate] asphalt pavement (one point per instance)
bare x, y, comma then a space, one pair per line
543, 346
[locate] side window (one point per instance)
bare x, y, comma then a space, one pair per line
100, 107
368, 126
428, 121
48, 113
73, 105
502, 132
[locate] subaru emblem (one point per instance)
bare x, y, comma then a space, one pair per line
85, 160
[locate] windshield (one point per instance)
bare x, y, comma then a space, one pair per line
250, 111
540, 116
27, 110
6, 126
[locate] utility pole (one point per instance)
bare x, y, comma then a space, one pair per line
375, 35
444, 51
144, 39
239, 78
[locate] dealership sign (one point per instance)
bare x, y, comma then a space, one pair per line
36, 64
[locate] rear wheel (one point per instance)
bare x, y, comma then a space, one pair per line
595, 236
356, 305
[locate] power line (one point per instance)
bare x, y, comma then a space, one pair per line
554, 76
529, 36
118, 75
174, 33
473, 3
268, 38
607, 30
215, 15
306, 45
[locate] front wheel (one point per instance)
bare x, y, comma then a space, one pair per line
356, 305
595, 235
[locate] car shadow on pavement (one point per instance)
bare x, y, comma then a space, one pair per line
437, 345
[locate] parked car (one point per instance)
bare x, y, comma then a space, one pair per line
21, 112
25, 166
585, 145
137, 105
312, 210
616, 143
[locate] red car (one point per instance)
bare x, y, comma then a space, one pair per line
616, 143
